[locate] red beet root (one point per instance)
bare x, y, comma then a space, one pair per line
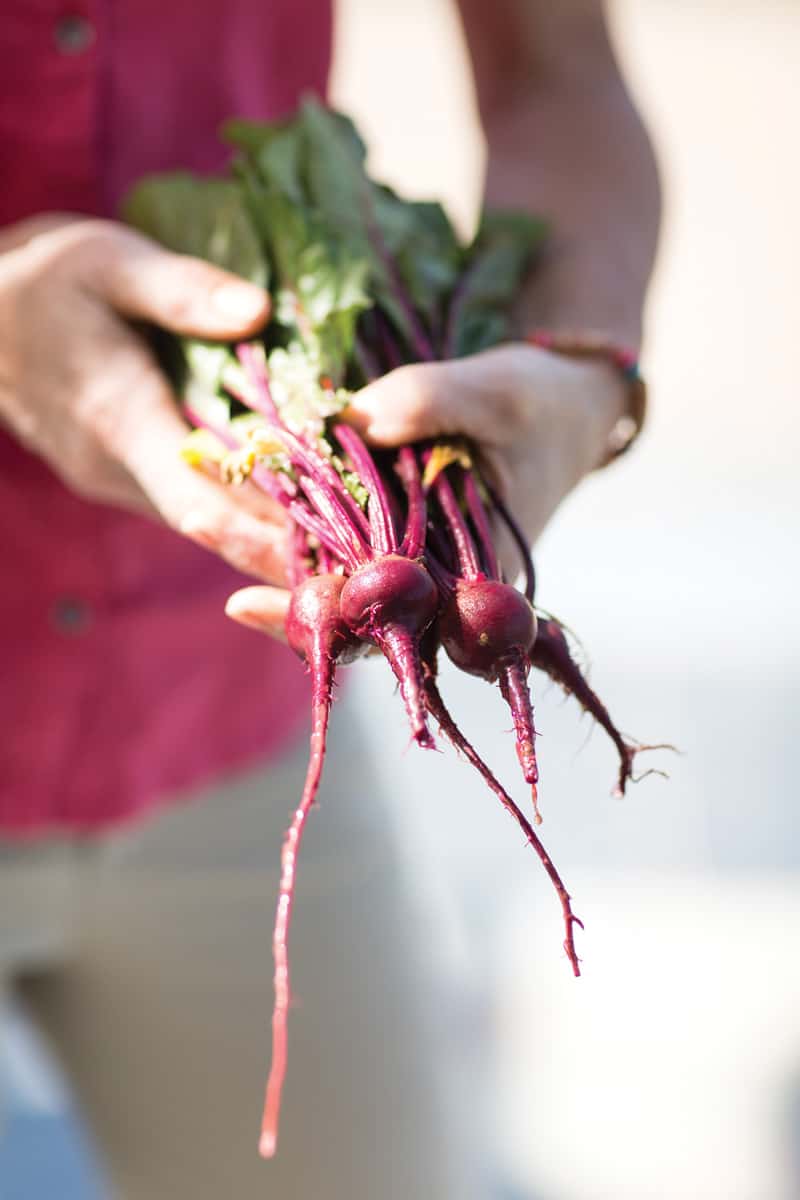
438, 710
391, 602
316, 632
551, 654
485, 624
488, 629
314, 623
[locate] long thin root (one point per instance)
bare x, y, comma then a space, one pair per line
438, 710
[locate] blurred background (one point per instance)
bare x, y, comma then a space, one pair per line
672, 1068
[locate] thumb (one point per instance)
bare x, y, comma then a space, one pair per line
142, 280
469, 396
262, 608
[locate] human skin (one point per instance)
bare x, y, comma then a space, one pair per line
79, 387
563, 140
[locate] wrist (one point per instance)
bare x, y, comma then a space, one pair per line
615, 402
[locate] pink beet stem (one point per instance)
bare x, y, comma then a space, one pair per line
518, 537
325, 561
408, 469
401, 651
514, 687
313, 525
436, 707
254, 363
480, 521
322, 671
276, 486
253, 360
311, 462
299, 557
379, 509
352, 549
459, 531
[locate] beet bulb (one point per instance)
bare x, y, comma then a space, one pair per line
391, 602
488, 629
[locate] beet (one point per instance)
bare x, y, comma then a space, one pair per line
438, 710
551, 653
391, 602
487, 627
316, 632
484, 625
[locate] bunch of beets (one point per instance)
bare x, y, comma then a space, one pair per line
389, 549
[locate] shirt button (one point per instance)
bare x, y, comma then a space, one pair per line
73, 34
71, 616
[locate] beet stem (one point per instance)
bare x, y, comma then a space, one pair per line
436, 707
312, 463
480, 521
459, 531
444, 579
379, 509
322, 673
329, 531
413, 542
299, 559
326, 563
421, 344
352, 549
308, 458
255, 368
519, 539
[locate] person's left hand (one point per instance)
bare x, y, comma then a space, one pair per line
541, 419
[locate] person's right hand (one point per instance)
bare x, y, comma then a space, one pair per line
79, 387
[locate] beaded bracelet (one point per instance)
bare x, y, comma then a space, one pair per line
594, 345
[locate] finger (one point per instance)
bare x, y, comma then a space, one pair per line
142, 280
477, 397
261, 608
111, 484
148, 444
247, 495
22, 232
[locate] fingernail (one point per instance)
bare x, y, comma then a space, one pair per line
364, 416
243, 616
239, 301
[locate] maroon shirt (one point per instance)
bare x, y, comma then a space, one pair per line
123, 684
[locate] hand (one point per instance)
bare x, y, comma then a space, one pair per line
541, 419
79, 387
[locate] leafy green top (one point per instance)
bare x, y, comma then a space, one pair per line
360, 279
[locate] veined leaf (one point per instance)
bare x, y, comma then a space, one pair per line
203, 216
496, 264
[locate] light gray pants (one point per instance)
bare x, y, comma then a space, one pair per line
148, 965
